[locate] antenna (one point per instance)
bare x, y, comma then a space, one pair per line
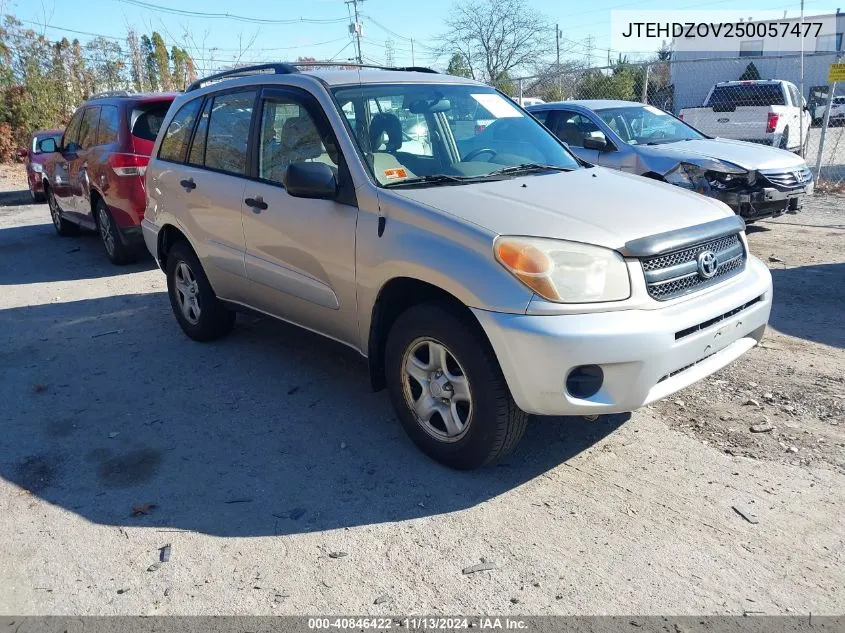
356, 28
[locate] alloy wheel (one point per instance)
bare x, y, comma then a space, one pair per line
187, 292
104, 220
54, 210
437, 389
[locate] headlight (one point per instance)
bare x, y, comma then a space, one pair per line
698, 176
565, 272
37, 168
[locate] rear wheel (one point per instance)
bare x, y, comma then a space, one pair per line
117, 252
63, 227
201, 315
448, 389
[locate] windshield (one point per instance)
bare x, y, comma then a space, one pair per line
446, 134
646, 125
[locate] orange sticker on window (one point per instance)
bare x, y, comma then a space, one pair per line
396, 172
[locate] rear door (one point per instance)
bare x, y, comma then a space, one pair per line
202, 166
300, 253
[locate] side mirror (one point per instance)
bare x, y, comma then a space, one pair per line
310, 180
21, 153
596, 140
47, 145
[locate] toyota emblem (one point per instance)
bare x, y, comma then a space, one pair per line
707, 264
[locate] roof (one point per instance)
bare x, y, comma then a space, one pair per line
590, 104
374, 76
137, 97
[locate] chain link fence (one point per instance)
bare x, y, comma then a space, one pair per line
764, 114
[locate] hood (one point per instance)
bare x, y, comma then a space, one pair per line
749, 156
595, 206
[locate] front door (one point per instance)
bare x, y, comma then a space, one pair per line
79, 184
300, 253
62, 165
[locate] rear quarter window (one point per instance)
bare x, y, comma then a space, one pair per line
178, 132
147, 120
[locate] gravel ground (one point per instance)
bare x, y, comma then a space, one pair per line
280, 484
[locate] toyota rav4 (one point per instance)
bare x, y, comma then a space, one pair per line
485, 277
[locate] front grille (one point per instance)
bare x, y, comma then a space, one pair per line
672, 275
789, 179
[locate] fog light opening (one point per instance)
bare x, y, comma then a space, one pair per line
584, 381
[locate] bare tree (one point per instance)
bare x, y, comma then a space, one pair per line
496, 37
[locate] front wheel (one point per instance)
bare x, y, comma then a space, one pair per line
448, 389
201, 315
63, 227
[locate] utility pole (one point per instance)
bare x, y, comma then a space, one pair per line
388, 52
557, 69
356, 29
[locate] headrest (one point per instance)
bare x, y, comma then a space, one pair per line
383, 124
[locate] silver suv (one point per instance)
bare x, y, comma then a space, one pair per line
486, 274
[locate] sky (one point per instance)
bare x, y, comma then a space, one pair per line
320, 28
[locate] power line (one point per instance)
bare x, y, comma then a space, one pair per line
228, 16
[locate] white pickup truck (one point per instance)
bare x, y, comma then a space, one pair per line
771, 112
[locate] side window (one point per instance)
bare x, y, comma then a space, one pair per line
228, 132
542, 116
571, 127
88, 127
793, 94
69, 141
178, 133
289, 135
197, 154
109, 121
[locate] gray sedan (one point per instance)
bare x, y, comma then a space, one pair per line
754, 180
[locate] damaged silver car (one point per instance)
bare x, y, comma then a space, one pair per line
754, 180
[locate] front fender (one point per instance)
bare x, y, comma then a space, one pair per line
436, 248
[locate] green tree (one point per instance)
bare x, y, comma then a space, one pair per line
162, 62
107, 64
458, 66
148, 56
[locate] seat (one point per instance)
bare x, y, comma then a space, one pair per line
300, 141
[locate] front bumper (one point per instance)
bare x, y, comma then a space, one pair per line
764, 202
645, 355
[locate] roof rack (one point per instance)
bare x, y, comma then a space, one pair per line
289, 68
243, 71
112, 93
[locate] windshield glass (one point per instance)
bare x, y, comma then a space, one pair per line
646, 125
445, 134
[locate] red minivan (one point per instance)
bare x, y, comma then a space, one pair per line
95, 176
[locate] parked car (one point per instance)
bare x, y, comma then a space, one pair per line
837, 111
528, 101
481, 287
34, 158
94, 178
754, 181
771, 112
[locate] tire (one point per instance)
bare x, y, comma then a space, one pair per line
211, 318
64, 228
488, 424
116, 250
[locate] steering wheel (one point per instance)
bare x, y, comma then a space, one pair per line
478, 152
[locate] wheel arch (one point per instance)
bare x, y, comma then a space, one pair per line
168, 235
396, 296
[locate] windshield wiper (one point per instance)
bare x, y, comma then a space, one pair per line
525, 167
426, 180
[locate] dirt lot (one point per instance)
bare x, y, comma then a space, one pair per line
281, 484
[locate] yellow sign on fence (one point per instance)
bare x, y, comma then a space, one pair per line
836, 73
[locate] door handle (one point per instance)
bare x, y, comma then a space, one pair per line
188, 184
257, 204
